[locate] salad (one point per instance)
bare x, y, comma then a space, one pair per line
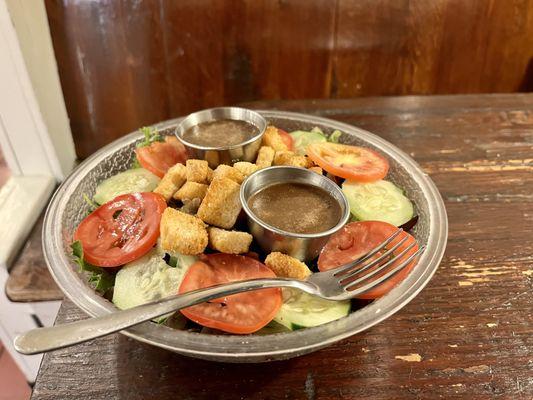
170, 224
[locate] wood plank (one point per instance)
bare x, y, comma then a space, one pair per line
128, 64
147, 61
436, 130
29, 279
405, 47
468, 334
111, 66
225, 52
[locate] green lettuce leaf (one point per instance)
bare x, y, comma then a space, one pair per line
334, 137
150, 136
99, 278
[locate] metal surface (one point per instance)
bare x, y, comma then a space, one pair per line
304, 247
245, 151
68, 208
341, 283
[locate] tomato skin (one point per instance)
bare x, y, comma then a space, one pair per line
357, 239
287, 139
111, 240
358, 164
160, 156
240, 313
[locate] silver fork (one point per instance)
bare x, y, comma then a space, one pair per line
341, 283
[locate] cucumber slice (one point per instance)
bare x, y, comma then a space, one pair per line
147, 279
130, 181
378, 201
303, 138
301, 310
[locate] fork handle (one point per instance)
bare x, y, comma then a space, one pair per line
41, 340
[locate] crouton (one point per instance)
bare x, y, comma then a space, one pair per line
318, 170
225, 171
231, 242
191, 190
245, 168
197, 171
172, 181
283, 157
287, 266
182, 233
290, 158
273, 139
265, 157
221, 205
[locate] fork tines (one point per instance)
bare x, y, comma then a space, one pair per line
371, 269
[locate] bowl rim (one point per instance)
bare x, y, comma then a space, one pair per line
252, 348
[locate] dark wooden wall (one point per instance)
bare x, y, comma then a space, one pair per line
124, 64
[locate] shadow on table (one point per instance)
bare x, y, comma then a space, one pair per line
150, 372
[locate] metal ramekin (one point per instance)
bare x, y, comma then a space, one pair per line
245, 151
67, 208
303, 246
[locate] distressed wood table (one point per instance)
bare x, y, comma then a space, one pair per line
29, 279
468, 334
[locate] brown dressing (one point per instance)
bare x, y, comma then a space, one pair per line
296, 208
224, 132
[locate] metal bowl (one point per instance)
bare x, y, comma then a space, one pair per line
304, 247
245, 151
67, 208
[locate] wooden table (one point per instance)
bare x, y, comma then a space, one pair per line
469, 333
29, 279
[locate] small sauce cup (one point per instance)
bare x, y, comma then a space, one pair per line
244, 151
303, 246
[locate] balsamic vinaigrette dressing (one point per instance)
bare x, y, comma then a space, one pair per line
296, 208
220, 133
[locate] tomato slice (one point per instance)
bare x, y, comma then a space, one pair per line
239, 313
121, 230
160, 156
287, 139
357, 164
357, 239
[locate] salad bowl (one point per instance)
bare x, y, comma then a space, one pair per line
67, 208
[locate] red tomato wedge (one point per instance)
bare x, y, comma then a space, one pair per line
357, 164
287, 139
239, 313
160, 156
121, 230
357, 239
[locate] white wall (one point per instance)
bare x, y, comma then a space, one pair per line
33, 115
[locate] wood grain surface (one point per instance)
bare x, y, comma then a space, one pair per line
29, 279
127, 64
467, 335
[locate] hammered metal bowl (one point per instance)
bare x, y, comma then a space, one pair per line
67, 208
